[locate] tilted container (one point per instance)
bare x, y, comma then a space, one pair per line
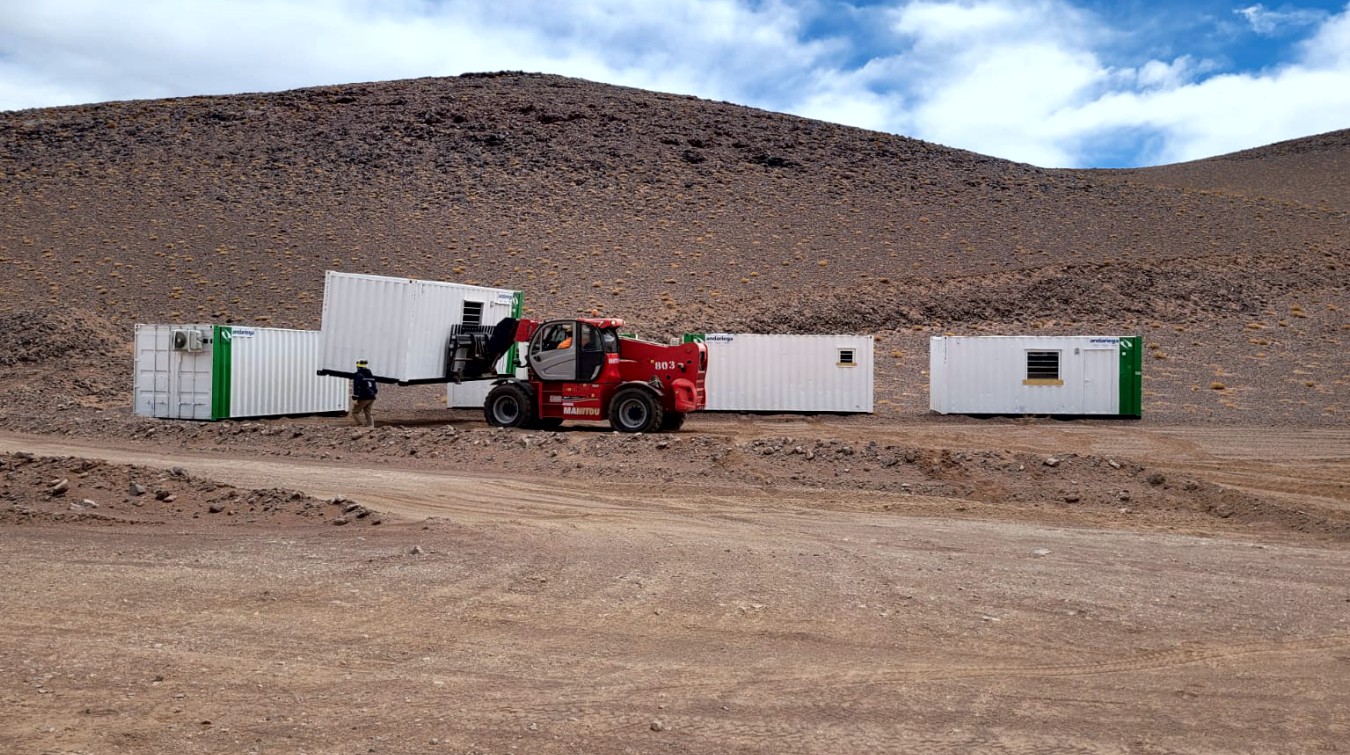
402, 326
1047, 375
207, 372
788, 373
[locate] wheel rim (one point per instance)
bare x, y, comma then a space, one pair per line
505, 410
633, 413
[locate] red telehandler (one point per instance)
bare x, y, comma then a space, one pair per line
582, 369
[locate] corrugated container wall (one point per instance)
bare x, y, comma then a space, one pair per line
1052, 375
401, 326
222, 371
788, 373
275, 371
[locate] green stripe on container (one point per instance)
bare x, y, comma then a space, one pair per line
221, 365
517, 310
1132, 376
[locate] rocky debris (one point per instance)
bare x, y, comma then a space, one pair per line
1010, 480
59, 335
29, 486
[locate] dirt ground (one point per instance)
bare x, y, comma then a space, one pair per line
1014, 587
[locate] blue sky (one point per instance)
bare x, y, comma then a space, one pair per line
1056, 83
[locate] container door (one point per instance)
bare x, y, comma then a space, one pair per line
190, 384
1101, 370
171, 383
152, 371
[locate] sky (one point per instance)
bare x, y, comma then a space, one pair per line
1054, 83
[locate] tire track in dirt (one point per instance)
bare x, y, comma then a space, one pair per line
818, 698
424, 494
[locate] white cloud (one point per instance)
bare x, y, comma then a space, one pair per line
163, 47
1233, 111
1026, 80
1030, 80
1269, 22
1156, 74
1329, 48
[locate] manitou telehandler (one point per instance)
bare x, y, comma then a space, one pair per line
582, 369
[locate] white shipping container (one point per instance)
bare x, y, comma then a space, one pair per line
473, 393
1050, 375
470, 395
788, 373
402, 326
205, 372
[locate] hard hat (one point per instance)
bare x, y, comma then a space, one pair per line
360, 363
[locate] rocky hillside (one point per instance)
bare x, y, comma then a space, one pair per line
673, 212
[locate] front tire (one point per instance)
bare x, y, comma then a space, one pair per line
508, 405
635, 410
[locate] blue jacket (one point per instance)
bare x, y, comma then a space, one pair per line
364, 385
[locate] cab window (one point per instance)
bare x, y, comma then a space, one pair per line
590, 338
556, 336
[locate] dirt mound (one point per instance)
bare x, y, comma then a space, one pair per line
56, 335
70, 490
856, 472
57, 359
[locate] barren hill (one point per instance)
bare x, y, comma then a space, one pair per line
677, 214
1313, 172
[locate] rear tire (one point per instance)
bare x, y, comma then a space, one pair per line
635, 410
672, 422
508, 405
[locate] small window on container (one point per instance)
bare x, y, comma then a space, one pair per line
848, 358
1043, 367
472, 315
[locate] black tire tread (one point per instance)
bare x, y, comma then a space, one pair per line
522, 396
655, 412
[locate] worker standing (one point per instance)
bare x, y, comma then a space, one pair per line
364, 390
